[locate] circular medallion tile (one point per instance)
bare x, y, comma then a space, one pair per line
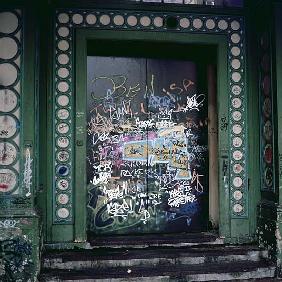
237, 142
235, 38
237, 115
236, 64
197, 23
63, 156
63, 86
63, 128
63, 59
63, 170
8, 153
77, 19
8, 74
237, 208
132, 21
237, 129
210, 24
237, 155
236, 89
105, 19
63, 184
184, 23
236, 103
91, 19
63, 142
63, 114
235, 25
8, 126
222, 24
63, 18
145, 21
237, 195
8, 22
266, 108
63, 31
237, 181
267, 130
63, 45
118, 20
63, 213
268, 176
236, 76
237, 168
8, 48
8, 100
266, 83
235, 51
158, 22
63, 72
63, 199
8, 180
268, 154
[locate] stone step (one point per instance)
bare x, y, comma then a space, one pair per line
155, 240
239, 271
105, 258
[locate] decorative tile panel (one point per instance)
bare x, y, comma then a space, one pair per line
10, 100
66, 23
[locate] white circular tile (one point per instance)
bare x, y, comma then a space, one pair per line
63, 142
237, 142
63, 156
267, 130
63, 18
105, 19
63, 213
63, 199
197, 23
132, 21
63, 114
237, 195
237, 168
210, 24
8, 22
63, 128
91, 19
63, 184
8, 178
235, 25
222, 24
63, 72
237, 208
63, 86
8, 74
235, 38
237, 116
63, 100
118, 20
63, 45
8, 126
237, 129
184, 23
237, 155
63, 59
237, 181
235, 51
145, 21
8, 48
63, 31
236, 76
236, 64
236, 89
77, 19
8, 100
158, 22
8, 153
236, 103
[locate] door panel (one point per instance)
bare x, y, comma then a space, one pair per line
146, 147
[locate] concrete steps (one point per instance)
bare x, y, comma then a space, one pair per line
162, 260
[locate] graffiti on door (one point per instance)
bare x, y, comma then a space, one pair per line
146, 146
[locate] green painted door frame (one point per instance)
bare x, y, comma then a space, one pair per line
82, 37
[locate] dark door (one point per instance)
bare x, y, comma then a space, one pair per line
147, 167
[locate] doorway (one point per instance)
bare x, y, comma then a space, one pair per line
151, 138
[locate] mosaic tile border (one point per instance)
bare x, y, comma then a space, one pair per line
68, 20
11, 32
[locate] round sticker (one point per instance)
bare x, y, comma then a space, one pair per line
8, 153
